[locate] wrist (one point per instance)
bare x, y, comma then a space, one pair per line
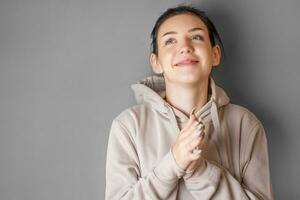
199, 165
175, 160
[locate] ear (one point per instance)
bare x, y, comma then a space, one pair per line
216, 55
156, 66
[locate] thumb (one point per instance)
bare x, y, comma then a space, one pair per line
191, 119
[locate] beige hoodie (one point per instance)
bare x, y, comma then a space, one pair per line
140, 165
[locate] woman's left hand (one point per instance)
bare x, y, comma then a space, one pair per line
196, 163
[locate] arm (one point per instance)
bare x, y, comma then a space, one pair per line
123, 177
210, 180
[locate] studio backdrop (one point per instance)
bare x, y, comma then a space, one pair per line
66, 68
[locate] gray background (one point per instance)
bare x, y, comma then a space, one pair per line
66, 69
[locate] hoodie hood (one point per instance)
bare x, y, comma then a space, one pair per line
152, 90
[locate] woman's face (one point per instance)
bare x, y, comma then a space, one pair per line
185, 54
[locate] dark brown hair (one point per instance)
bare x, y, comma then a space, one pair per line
212, 31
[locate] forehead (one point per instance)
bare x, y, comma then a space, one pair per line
181, 23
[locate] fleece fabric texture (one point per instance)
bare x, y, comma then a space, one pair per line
140, 164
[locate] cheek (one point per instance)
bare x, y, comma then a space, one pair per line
206, 54
167, 55
168, 49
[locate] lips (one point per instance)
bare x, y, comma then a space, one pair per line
186, 62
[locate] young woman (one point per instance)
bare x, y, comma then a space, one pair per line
184, 139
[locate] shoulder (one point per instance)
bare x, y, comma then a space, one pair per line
130, 118
132, 113
244, 125
234, 113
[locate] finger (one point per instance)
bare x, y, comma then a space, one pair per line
190, 135
187, 128
193, 144
190, 122
201, 144
195, 132
196, 154
197, 150
202, 141
192, 117
196, 141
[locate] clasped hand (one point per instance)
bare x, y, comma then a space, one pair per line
187, 150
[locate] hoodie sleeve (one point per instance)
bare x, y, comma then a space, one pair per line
211, 180
123, 177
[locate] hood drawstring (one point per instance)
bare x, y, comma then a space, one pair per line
217, 127
214, 114
216, 124
152, 90
172, 116
213, 111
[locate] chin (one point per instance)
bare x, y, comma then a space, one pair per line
190, 79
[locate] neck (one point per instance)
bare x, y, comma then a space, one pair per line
185, 98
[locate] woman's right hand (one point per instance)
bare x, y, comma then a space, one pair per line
188, 139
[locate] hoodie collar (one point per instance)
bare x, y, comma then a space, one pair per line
152, 90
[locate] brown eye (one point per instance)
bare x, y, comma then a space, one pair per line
170, 41
197, 37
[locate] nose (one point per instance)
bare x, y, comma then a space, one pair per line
186, 47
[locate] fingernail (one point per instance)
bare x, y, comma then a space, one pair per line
196, 123
198, 151
199, 126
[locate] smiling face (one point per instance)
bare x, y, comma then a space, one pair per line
185, 53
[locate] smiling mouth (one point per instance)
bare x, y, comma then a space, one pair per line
186, 63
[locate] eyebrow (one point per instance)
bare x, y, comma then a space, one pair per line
191, 30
